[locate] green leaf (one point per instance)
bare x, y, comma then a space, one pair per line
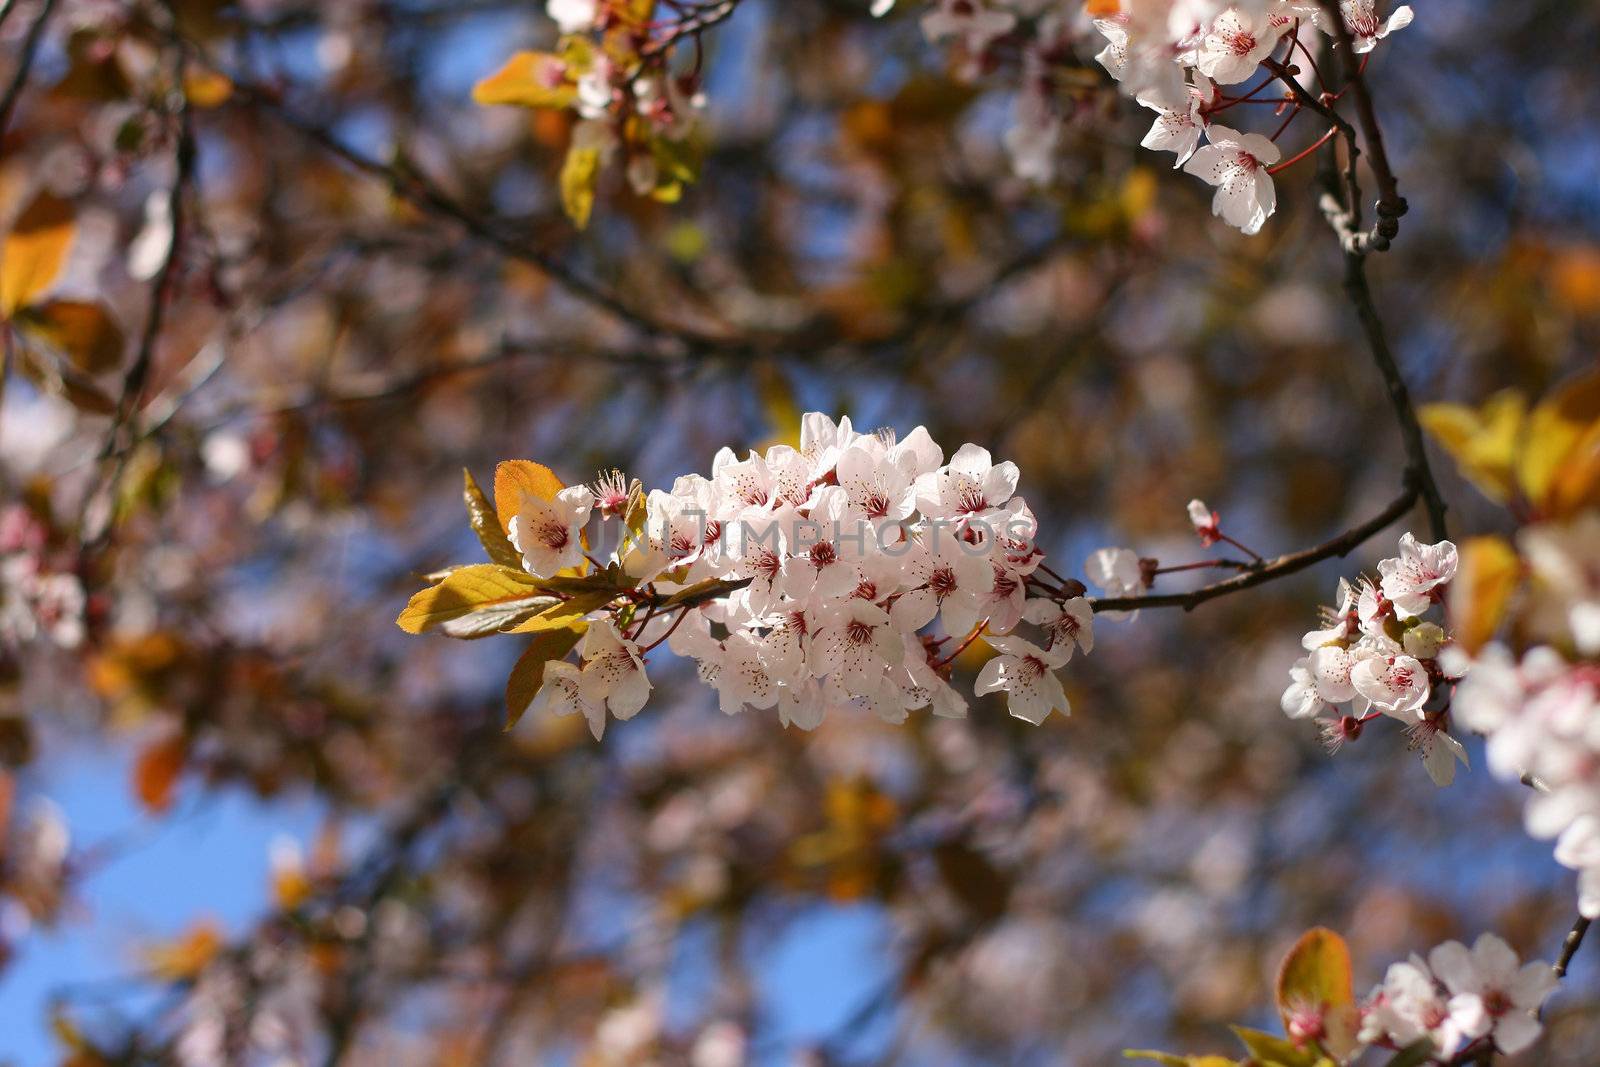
1413, 1055
1272, 1049
475, 601
1169, 1060
527, 676
486, 524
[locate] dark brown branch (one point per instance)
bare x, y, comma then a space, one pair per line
1391, 205
1360, 295
25, 58
423, 194
1273, 568
1345, 219
1570, 945
162, 289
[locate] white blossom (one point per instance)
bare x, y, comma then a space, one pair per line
1236, 163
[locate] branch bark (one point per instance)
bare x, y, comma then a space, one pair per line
1272, 568
25, 58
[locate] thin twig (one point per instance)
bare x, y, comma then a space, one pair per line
1360, 294
423, 194
1272, 569
1570, 945
30, 51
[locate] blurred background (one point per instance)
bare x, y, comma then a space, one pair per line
247, 820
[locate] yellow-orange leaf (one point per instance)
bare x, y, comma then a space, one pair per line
1561, 449
155, 772
1483, 441
207, 88
1487, 576
515, 479
565, 614
481, 589
527, 676
1316, 980
529, 79
186, 957
34, 251
88, 335
580, 177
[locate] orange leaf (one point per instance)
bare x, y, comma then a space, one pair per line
1488, 575
155, 773
207, 88
186, 957
34, 251
85, 332
515, 479
531, 79
527, 676
1316, 991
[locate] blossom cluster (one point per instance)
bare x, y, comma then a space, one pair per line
851, 570
1378, 652
38, 597
612, 69
1457, 996
1175, 57
1541, 710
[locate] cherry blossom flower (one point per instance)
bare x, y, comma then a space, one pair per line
1235, 44
1340, 620
1365, 26
970, 488
922, 686
1409, 581
1236, 163
1067, 624
1179, 121
1207, 523
744, 679
1366, 656
1395, 685
1440, 752
948, 576
573, 16
836, 557
1301, 700
610, 490
974, 22
1118, 571
613, 675
1491, 992
548, 533
857, 645
1140, 56
1026, 674
1411, 1005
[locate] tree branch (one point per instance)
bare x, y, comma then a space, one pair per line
1360, 294
25, 58
1273, 568
419, 191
